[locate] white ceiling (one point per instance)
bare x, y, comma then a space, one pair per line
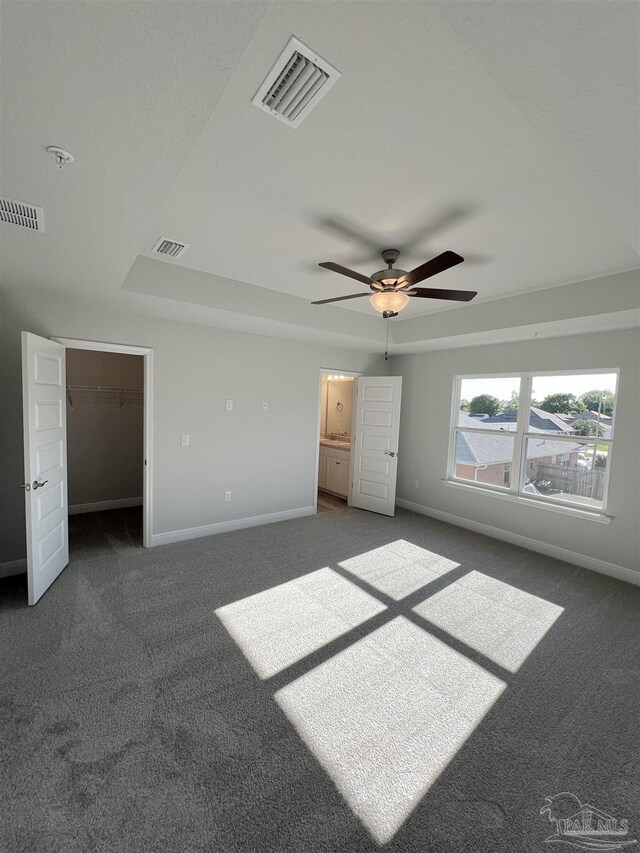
507, 132
120, 85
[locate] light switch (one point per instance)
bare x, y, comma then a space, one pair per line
229, 405
185, 441
265, 407
227, 496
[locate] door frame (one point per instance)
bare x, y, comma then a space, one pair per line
147, 355
321, 372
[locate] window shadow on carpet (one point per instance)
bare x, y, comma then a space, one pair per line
386, 664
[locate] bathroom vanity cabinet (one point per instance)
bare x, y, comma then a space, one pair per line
333, 472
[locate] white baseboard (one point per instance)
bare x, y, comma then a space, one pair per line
225, 526
592, 563
99, 506
13, 567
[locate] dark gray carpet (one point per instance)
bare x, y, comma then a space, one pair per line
105, 534
136, 718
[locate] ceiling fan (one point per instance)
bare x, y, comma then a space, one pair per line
392, 287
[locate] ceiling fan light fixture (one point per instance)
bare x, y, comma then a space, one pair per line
395, 286
389, 300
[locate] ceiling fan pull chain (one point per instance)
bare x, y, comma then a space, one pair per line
386, 343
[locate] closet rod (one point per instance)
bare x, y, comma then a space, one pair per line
103, 388
129, 392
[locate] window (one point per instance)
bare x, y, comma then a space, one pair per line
546, 436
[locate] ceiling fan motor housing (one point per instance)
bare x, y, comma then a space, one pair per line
389, 256
382, 275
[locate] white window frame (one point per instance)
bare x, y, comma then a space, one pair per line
520, 435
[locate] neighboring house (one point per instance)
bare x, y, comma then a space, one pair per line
539, 419
487, 458
593, 416
604, 420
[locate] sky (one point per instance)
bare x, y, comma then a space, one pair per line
542, 385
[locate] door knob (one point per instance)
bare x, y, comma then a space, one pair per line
36, 485
390, 453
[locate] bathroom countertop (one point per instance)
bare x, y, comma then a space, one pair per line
340, 445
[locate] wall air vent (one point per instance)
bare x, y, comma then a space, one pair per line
295, 84
20, 213
170, 248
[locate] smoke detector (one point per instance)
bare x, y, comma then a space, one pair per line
169, 248
61, 156
20, 213
295, 84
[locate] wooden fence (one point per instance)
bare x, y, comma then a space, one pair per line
575, 481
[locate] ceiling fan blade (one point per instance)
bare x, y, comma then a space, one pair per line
340, 298
436, 265
329, 265
434, 293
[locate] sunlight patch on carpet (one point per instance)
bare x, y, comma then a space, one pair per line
502, 622
399, 568
385, 716
284, 624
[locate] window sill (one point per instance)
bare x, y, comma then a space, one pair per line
574, 511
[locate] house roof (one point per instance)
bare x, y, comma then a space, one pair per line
554, 419
473, 448
556, 422
592, 416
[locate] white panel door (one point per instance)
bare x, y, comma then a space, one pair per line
45, 461
374, 447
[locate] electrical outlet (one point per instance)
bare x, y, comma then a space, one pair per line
415, 484
229, 405
185, 441
227, 496
265, 407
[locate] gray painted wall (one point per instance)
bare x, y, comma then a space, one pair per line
267, 459
105, 456
424, 432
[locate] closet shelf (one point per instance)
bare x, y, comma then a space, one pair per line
126, 395
104, 388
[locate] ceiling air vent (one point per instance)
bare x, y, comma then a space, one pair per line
295, 84
20, 213
170, 248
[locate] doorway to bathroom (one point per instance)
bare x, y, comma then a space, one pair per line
336, 410
357, 448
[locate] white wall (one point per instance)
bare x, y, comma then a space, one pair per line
424, 433
267, 459
339, 391
105, 448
